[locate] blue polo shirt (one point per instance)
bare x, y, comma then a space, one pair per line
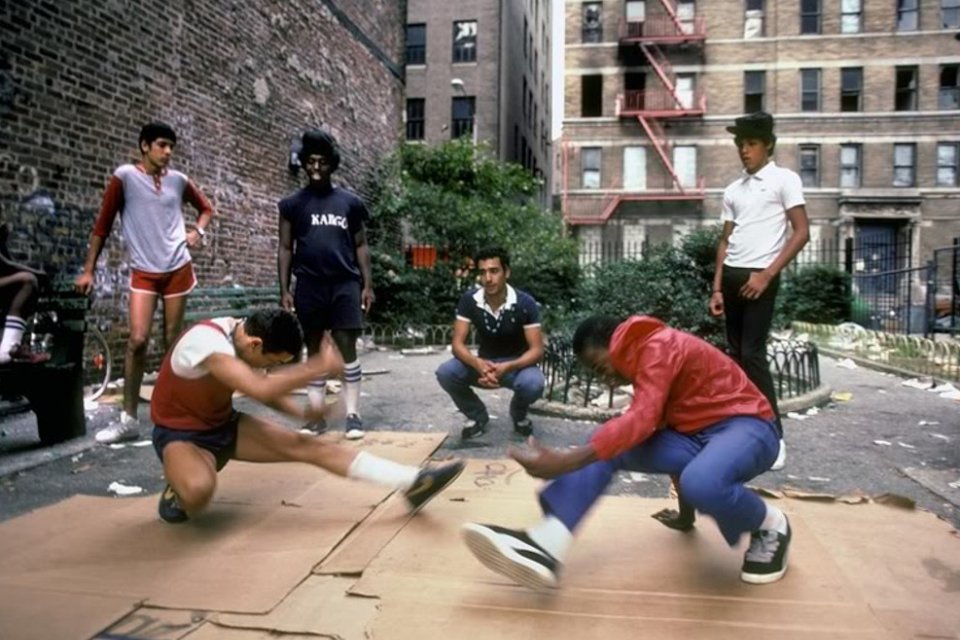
500, 335
324, 223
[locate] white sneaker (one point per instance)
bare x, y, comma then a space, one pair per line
127, 429
781, 460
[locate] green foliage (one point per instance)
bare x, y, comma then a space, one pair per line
668, 283
459, 198
817, 293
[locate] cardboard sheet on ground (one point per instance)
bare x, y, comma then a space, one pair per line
268, 527
857, 571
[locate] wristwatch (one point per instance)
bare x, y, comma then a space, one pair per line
200, 230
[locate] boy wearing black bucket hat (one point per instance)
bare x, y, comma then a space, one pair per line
323, 241
758, 208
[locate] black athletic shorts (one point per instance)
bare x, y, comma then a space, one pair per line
220, 441
322, 306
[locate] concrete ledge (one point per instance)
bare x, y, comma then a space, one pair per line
817, 397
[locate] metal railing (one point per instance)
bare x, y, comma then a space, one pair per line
794, 364
943, 290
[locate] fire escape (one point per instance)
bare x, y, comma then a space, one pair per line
657, 37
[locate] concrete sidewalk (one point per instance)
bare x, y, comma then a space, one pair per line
887, 438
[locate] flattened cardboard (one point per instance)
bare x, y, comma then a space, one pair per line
626, 572
320, 605
243, 555
39, 614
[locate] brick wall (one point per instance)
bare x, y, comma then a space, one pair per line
238, 81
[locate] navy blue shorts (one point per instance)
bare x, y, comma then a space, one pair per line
322, 306
221, 441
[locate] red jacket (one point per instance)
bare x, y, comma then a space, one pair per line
679, 382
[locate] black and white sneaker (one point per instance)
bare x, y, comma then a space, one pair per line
474, 429
523, 428
170, 509
766, 559
430, 482
513, 554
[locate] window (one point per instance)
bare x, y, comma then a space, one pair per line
850, 166
908, 15
754, 85
590, 167
810, 165
462, 117
809, 89
524, 93
809, 16
947, 162
686, 14
685, 164
416, 44
949, 97
851, 89
906, 94
635, 168
591, 88
465, 41
592, 22
415, 117
526, 47
753, 19
904, 165
950, 14
636, 11
851, 16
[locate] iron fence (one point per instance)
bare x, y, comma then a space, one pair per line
794, 364
943, 291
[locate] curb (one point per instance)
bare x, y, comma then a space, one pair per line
23, 462
876, 366
815, 398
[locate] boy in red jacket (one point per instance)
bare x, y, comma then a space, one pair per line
694, 415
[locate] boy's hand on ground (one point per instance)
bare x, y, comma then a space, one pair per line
540, 461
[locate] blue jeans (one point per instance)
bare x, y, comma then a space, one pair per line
457, 379
712, 465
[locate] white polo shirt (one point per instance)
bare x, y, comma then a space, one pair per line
757, 206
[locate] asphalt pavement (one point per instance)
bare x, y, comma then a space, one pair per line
883, 437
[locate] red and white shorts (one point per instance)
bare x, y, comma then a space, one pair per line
169, 285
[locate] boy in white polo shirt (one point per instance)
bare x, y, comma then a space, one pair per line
758, 208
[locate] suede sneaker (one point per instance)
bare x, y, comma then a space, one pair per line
474, 429
430, 482
523, 428
766, 559
513, 554
169, 509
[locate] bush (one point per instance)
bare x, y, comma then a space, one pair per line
458, 198
817, 293
668, 284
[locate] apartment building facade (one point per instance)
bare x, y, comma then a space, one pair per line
481, 68
866, 96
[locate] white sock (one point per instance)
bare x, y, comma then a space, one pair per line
126, 418
316, 390
552, 535
12, 335
367, 466
774, 521
351, 386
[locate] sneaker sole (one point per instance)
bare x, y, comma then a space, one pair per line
123, 438
767, 578
354, 434
500, 558
446, 484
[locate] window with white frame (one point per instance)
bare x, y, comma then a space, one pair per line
590, 158
465, 41
851, 89
904, 165
851, 16
634, 168
947, 163
908, 15
753, 19
685, 164
950, 14
850, 166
